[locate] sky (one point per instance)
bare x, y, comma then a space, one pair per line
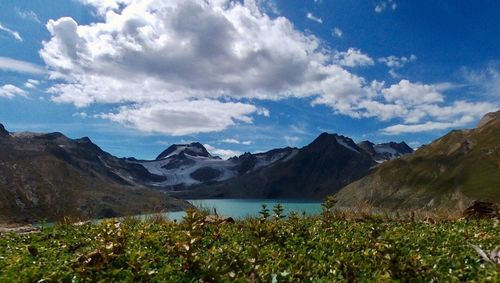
247, 76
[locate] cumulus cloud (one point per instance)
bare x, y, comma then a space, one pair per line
9, 64
183, 117
313, 18
407, 93
353, 58
11, 32
223, 153
10, 91
182, 67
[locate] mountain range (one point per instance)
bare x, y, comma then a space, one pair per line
50, 176
321, 168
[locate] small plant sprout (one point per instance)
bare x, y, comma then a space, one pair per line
278, 211
264, 212
329, 203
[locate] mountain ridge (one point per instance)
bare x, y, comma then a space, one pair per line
451, 172
50, 176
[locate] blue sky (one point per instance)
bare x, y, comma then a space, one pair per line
138, 75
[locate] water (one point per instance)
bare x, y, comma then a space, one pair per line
237, 208
240, 208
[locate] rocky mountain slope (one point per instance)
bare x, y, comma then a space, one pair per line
462, 166
385, 151
49, 176
314, 171
184, 165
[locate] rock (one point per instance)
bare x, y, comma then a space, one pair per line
215, 219
3, 131
21, 230
482, 210
81, 223
487, 118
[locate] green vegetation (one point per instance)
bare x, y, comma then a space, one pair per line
451, 172
330, 247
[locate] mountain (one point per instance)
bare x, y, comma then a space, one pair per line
327, 164
50, 176
385, 151
452, 171
193, 149
184, 165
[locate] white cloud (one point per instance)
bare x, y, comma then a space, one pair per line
394, 63
28, 15
178, 51
184, 117
13, 33
9, 64
353, 58
82, 115
486, 81
9, 91
459, 114
311, 17
31, 83
337, 32
223, 153
385, 5
269, 6
291, 140
172, 66
426, 127
235, 141
397, 62
407, 93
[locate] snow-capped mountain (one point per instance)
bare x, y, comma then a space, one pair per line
321, 168
385, 151
191, 164
192, 149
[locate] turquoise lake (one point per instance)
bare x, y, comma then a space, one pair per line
240, 208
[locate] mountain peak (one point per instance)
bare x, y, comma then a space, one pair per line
193, 149
84, 140
325, 140
488, 117
3, 131
385, 151
324, 137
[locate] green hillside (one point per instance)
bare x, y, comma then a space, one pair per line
449, 173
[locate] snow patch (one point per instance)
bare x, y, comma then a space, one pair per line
344, 144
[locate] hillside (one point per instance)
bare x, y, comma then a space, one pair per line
49, 176
462, 166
